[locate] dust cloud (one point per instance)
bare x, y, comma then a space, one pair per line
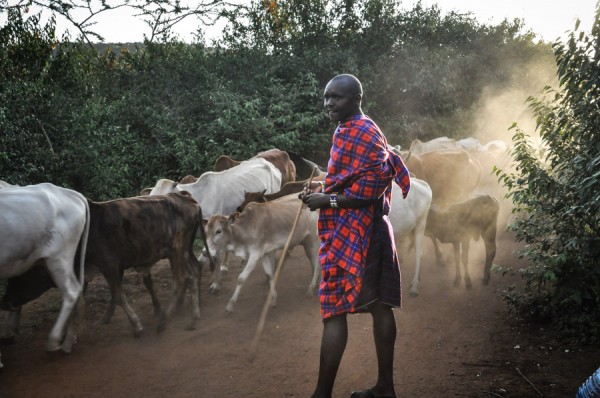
499, 107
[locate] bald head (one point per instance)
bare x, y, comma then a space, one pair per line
349, 83
342, 97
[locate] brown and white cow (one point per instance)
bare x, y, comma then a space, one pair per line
459, 224
223, 191
259, 232
139, 231
43, 226
278, 158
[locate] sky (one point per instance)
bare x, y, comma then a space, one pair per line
549, 19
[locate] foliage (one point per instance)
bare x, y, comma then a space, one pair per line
110, 122
557, 191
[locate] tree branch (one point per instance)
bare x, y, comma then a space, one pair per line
160, 15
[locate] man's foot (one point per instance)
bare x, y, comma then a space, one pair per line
369, 394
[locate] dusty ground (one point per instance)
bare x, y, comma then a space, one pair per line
452, 342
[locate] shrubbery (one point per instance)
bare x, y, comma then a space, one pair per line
557, 192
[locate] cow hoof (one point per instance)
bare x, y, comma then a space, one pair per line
414, 294
138, 333
229, 309
53, 347
214, 289
190, 326
456, 284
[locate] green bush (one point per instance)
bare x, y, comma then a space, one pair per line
557, 192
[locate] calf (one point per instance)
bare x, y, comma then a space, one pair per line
44, 225
458, 224
139, 231
259, 232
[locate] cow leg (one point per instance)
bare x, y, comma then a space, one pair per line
73, 325
248, 268
194, 284
71, 291
311, 249
456, 247
418, 236
490, 253
11, 325
149, 283
439, 260
268, 261
115, 280
465, 261
138, 329
215, 287
111, 276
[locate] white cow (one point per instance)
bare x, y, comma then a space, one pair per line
4, 184
221, 192
259, 232
46, 224
409, 217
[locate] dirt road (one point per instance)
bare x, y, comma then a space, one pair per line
452, 342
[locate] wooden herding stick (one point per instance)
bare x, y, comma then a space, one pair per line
265, 309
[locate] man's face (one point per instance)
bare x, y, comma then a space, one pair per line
339, 102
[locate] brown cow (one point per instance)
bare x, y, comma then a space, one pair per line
280, 159
305, 167
452, 175
458, 224
137, 232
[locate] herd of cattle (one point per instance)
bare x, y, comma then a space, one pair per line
52, 236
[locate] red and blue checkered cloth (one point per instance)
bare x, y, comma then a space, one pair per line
361, 167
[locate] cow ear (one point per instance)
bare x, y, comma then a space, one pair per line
145, 191
234, 217
205, 221
264, 191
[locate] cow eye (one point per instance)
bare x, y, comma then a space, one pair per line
218, 231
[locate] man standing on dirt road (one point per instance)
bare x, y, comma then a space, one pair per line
357, 254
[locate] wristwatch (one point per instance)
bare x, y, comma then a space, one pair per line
333, 201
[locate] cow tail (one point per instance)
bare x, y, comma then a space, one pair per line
205, 240
83, 242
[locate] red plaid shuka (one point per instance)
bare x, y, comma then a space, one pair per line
361, 167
